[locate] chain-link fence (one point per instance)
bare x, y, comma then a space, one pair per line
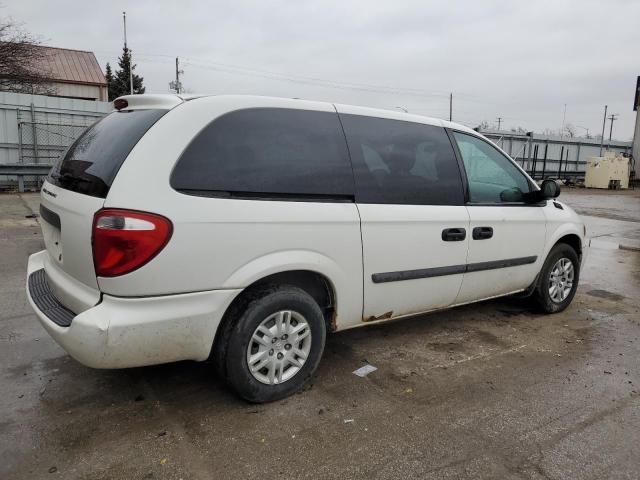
35, 130
41, 142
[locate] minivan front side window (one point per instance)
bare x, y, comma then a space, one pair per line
492, 177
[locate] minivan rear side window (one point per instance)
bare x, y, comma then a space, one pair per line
268, 153
400, 162
91, 163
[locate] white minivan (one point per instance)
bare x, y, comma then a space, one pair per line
244, 228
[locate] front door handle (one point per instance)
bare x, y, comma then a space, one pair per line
454, 234
482, 233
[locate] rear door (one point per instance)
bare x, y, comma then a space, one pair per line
507, 234
75, 189
409, 194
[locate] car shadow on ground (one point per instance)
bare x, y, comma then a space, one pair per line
459, 331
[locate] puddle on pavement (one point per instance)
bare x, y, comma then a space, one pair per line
605, 294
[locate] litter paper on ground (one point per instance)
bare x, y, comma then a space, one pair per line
365, 370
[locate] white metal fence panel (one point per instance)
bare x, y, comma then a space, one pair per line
553, 157
36, 129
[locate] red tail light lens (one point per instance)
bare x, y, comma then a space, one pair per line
124, 240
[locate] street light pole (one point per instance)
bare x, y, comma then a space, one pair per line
586, 129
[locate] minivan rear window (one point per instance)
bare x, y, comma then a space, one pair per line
91, 163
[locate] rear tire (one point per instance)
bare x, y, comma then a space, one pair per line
558, 279
273, 343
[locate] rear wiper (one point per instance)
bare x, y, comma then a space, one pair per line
70, 177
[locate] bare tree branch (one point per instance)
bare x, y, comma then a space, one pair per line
570, 130
22, 61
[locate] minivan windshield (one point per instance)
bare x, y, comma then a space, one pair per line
91, 163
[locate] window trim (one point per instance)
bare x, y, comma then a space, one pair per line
274, 197
463, 171
468, 202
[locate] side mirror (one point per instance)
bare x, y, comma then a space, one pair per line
549, 189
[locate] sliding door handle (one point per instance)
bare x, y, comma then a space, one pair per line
482, 233
454, 234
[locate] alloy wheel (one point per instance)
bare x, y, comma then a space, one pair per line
561, 280
279, 347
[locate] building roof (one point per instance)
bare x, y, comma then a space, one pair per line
72, 66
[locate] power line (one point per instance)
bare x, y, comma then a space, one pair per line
313, 80
250, 71
326, 83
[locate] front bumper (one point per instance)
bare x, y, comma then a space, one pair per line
586, 248
131, 332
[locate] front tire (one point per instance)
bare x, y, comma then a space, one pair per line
274, 344
558, 279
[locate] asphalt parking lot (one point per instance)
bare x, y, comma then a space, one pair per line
491, 390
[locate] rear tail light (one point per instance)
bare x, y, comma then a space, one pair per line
124, 240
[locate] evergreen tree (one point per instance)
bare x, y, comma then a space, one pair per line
109, 78
120, 80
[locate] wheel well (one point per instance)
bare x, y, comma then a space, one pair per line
573, 241
315, 284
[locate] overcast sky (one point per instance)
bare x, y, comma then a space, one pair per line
520, 60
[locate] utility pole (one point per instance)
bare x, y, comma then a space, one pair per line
177, 84
499, 122
604, 122
178, 77
564, 116
635, 149
613, 118
451, 107
124, 21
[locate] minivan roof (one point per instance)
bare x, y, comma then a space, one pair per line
169, 101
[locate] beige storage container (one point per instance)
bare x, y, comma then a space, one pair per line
610, 171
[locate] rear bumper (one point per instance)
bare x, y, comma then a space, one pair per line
132, 332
